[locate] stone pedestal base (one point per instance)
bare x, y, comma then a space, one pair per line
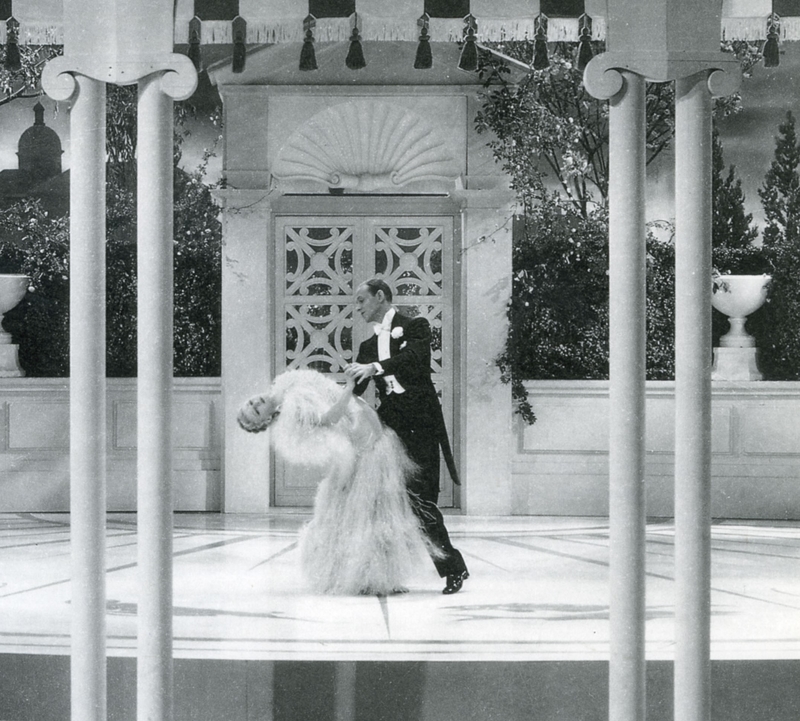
9, 362
735, 364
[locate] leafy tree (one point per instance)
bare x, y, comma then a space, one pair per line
37, 245
559, 303
549, 125
198, 278
551, 137
23, 79
196, 255
660, 308
34, 244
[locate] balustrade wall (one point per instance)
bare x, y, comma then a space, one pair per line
34, 444
561, 462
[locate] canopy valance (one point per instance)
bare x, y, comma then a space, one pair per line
286, 21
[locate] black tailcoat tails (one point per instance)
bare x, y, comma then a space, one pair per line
416, 416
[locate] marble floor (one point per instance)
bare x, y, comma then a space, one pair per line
538, 591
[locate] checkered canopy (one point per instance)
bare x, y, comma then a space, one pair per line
277, 21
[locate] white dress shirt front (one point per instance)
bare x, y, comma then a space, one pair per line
384, 332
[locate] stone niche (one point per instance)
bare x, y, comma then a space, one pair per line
386, 140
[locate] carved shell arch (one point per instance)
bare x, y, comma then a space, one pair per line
364, 145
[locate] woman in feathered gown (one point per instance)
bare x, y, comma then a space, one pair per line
363, 537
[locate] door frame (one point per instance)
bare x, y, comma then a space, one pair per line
381, 206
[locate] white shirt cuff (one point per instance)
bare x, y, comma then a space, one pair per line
378, 369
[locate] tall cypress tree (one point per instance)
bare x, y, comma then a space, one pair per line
732, 229
777, 328
731, 226
780, 194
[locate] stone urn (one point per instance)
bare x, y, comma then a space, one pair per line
12, 291
737, 296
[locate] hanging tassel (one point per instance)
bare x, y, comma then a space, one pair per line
469, 53
355, 55
540, 59
584, 51
195, 32
13, 60
308, 58
771, 49
584, 42
239, 26
424, 57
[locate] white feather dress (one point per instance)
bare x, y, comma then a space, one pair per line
363, 538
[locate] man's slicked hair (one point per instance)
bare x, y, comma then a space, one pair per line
376, 284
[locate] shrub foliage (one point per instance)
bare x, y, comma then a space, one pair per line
37, 245
551, 137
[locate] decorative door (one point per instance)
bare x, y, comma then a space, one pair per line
320, 261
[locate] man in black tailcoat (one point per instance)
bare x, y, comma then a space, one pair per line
398, 359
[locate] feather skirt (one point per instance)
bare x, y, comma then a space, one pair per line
364, 537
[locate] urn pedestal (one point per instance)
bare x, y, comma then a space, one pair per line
12, 290
737, 296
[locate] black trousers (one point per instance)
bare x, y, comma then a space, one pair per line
422, 444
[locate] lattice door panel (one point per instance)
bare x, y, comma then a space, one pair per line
315, 272
410, 255
319, 261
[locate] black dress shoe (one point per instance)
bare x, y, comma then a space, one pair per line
455, 582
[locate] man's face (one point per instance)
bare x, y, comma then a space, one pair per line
370, 306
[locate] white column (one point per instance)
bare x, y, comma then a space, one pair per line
87, 354
155, 693
485, 268
246, 367
627, 394
692, 397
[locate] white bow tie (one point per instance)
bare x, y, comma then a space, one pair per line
382, 328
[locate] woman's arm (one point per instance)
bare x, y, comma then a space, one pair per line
336, 411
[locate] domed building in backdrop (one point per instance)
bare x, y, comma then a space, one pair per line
39, 174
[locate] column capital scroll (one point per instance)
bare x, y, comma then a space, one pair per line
603, 75
178, 80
